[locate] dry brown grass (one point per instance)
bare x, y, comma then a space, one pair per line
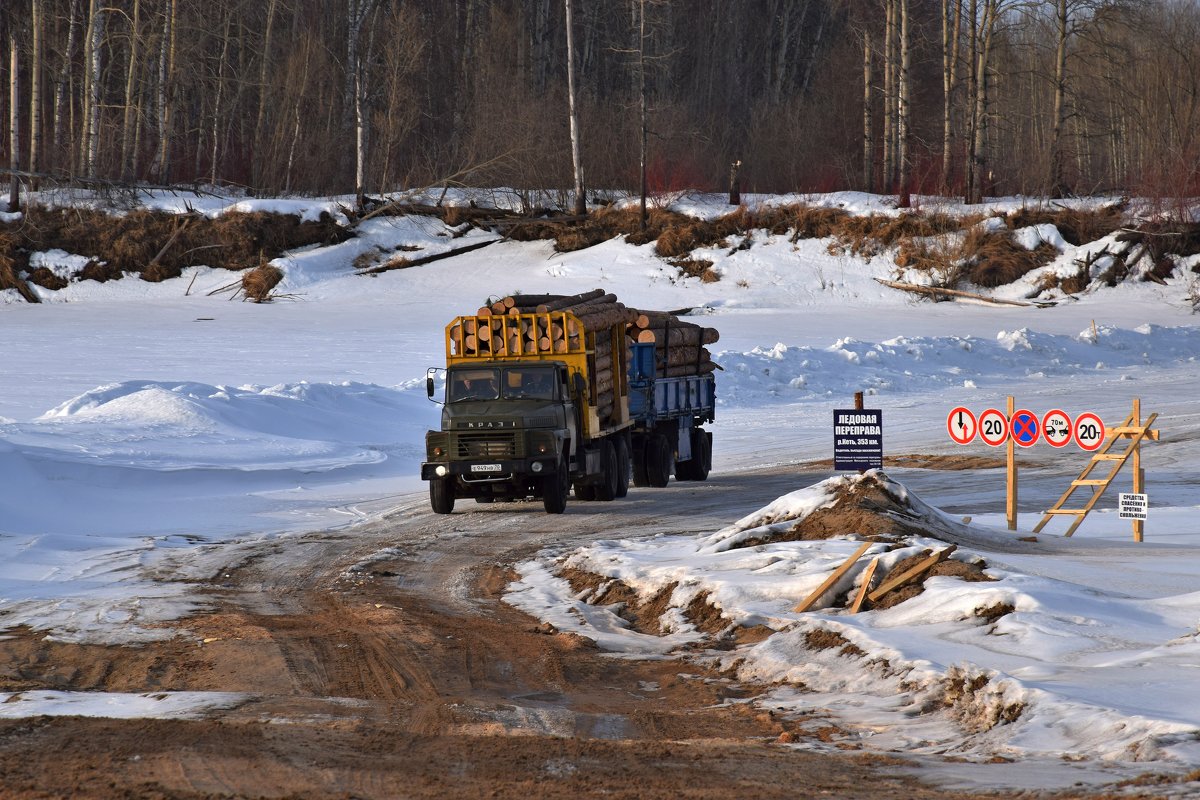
871, 235
984, 258
1077, 226
137, 242
994, 259
258, 283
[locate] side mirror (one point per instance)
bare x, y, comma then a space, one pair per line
429, 384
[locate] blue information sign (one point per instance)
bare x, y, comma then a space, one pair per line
857, 439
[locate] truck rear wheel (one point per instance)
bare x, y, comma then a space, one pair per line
638, 457
441, 495
607, 488
658, 461
555, 490
622, 465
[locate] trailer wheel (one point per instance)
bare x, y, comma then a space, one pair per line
441, 495
701, 454
555, 490
686, 470
622, 466
607, 489
658, 461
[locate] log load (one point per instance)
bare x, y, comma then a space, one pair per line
679, 345
513, 332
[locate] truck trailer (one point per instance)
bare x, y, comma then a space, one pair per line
545, 394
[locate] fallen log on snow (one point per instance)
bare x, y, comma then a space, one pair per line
936, 291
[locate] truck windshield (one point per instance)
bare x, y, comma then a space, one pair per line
535, 383
473, 384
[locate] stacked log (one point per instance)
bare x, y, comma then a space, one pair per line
537, 324
679, 345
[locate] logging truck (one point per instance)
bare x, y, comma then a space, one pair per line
545, 394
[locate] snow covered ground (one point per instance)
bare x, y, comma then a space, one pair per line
140, 423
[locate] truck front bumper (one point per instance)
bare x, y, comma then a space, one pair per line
488, 471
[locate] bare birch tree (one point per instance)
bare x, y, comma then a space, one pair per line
131, 117
952, 14
36, 21
166, 89
576, 159
14, 121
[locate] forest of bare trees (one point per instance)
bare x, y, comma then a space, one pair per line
968, 97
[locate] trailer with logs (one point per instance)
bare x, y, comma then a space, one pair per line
549, 393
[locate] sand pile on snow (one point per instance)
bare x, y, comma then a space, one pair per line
870, 505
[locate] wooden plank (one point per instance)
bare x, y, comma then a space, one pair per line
1131, 430
866, 586
911, 573
832, 579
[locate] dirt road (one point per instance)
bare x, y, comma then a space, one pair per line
380, 662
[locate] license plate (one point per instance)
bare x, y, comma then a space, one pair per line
485, 468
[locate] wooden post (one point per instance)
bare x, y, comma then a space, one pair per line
735, 184
1011, 505
1139, 477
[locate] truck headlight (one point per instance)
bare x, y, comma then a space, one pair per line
441, 470
536, 466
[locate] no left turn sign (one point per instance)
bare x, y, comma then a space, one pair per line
1089, 431
993, 427
961, 425
1056, 428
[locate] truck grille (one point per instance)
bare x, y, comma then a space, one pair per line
488, 445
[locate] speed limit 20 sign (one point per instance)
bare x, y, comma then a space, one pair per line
1088, 431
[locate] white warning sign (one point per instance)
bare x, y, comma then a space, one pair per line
1132, 506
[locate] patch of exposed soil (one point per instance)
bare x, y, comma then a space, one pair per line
825, 639
368, 674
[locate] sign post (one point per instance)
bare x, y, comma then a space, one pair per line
1139, 477
1010, 506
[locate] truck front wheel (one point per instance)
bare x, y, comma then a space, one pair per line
555, 490
441, 495
607, 488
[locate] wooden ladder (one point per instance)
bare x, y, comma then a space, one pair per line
1130, 430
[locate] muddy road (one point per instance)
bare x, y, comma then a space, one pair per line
380, 662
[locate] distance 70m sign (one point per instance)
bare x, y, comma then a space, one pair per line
1025, 428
